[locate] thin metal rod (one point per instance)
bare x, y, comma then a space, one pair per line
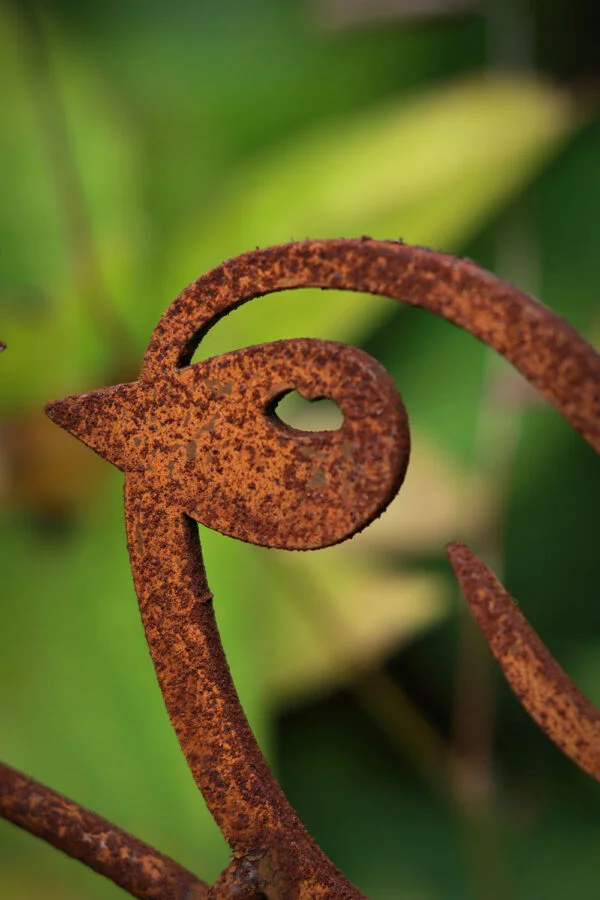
126, 861
552, 700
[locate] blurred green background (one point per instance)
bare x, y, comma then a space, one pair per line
143, 143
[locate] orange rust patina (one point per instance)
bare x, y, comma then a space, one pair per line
203, 443
130, 863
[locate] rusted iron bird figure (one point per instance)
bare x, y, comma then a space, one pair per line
203, 443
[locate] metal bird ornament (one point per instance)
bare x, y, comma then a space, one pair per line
203, 443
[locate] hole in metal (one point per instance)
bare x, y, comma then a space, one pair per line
297, 412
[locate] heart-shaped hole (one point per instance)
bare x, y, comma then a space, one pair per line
295, 411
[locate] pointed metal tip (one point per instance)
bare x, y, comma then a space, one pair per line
459, 555
52, 410
93, 419
66, 413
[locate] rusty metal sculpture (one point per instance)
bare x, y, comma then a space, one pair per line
203, 442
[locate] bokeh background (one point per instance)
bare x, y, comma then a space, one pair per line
142, 143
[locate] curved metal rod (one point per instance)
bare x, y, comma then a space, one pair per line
538, 342
552, 700
126, 861
201, 442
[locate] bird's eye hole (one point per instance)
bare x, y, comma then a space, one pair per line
297, 412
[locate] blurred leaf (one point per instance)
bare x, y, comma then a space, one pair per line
57, 349
219, 82
431, 167
391, 839
338, 615
437, 499
32, 245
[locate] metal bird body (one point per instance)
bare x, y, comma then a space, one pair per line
209, 438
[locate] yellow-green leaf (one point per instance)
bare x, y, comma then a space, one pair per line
430, 167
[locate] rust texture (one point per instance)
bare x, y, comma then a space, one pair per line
560, 709
202, 443
130, 863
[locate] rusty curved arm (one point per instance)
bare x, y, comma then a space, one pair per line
126, 861
238, 786
550, 697
537, 341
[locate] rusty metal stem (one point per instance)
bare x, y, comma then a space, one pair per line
560, 709
245, 799
126, 861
